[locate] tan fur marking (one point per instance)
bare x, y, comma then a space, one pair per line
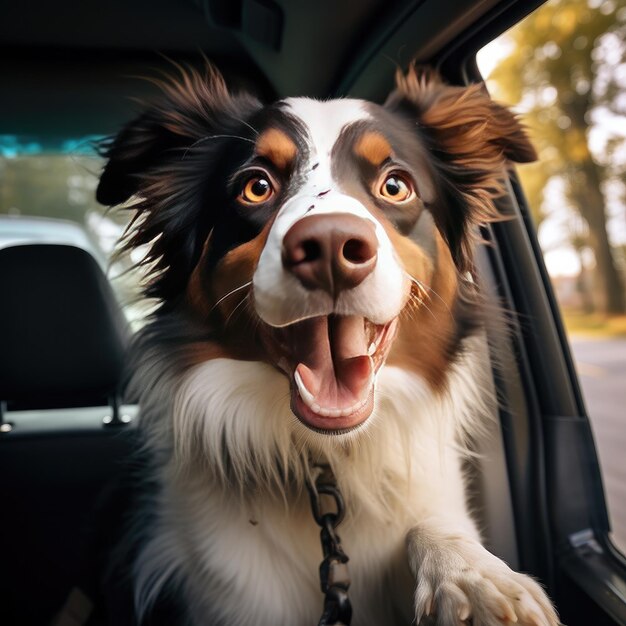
222, 301
276, 146
373, 147
426, 324
238, 320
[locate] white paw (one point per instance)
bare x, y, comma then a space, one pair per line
460, 583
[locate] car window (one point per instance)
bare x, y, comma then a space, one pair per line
47, 195
564, 69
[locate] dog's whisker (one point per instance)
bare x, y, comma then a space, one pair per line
422, 286
252, 128
241, 303
429, 310
230, 293
409, 314
419, 303
414, 304
204, 139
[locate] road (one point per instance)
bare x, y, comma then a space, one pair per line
601, 365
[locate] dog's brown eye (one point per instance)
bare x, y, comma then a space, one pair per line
396, 189
257, 189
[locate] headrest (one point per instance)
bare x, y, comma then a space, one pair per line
62, 334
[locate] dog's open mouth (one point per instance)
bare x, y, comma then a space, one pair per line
332, 363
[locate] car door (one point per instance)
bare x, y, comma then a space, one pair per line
562, 528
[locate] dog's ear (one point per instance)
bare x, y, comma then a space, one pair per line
191, 105
164, 160
470, 139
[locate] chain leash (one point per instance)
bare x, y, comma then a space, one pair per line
334, 575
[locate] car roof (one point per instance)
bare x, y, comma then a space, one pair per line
82, 57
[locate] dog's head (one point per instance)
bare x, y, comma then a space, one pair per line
326, 238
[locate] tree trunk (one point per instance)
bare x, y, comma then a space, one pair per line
585, 180
592, 209
582, 284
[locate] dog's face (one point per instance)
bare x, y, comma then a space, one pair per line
325, 238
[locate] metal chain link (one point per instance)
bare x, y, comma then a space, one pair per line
334, 575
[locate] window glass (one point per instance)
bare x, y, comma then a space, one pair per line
47, 195
564, 68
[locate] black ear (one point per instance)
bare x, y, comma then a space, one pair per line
471, 139
134, 151
163, 160
191, 106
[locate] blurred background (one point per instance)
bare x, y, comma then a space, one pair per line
564, 71
47, 195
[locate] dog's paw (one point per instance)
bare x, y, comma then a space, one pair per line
460, 583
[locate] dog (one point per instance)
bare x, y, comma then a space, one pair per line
312, 267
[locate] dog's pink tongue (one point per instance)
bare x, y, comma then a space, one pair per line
331, 353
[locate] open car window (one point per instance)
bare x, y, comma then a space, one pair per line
48, 196
564, 67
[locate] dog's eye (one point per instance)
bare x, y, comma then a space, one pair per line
257, 189
396, 188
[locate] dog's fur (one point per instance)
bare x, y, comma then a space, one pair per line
232, 439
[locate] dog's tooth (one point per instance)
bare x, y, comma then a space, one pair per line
309, 400
372, 349
305, 394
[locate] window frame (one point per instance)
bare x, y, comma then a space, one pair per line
586, 560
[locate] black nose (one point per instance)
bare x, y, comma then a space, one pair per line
332, 252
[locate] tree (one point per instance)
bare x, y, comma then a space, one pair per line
566, 63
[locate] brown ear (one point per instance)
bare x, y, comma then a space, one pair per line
470, 139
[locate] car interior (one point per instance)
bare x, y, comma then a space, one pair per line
67, 433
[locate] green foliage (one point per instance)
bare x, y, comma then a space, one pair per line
45, 185
566, 64
552, 72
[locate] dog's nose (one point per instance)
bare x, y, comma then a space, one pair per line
332, 252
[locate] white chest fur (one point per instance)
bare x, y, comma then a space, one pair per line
246, 548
